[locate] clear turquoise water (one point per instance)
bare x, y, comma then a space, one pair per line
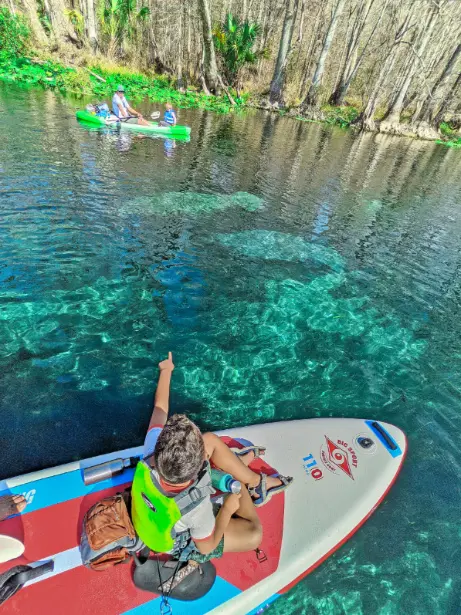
294, 270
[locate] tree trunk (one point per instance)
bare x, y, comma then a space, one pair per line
447, 101
392, 119
180, 82
311, 99
310, 50
244, 10
276, 94
91, 25
429, 107
353, 60
210, 68
365, 119
39, 34
62, 28
189, 40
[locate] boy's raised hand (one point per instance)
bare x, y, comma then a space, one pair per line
167, 364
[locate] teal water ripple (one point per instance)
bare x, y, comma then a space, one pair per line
294, 270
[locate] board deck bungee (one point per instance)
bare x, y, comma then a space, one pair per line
351, 461
167, 131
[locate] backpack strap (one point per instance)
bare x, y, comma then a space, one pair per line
200, 489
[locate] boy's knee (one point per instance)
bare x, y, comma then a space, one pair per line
256, 535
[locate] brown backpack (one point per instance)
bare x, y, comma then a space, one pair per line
108, 536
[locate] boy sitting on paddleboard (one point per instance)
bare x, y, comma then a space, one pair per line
122, 110
171, 505
169, 118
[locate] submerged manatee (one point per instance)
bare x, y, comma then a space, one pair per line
305, 343
190, 203
272, 245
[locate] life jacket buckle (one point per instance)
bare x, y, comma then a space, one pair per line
195, 494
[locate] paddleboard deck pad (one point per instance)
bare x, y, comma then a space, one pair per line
351, 461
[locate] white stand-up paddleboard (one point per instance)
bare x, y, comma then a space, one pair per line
351, 461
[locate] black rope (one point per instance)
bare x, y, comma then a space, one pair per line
165, 606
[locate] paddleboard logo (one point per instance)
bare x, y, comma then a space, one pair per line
29, 495
338, 457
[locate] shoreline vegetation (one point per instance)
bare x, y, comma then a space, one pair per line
242, 64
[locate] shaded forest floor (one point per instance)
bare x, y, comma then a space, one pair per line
101, 80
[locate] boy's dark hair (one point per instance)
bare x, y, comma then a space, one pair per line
180, 451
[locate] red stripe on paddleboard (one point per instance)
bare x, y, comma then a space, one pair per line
79, 592
53, 529
351, 533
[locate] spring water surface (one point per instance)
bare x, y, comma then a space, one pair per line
294, 270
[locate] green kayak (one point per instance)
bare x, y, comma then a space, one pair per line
166, 131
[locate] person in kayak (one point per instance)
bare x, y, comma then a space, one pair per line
10, 505
169, 117
176, 457
122, 110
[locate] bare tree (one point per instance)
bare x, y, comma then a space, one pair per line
353, 59
417, 49
278, 79
63, 30
210, 68
29, 7
91, 24
366, 118
311, 99
429, 107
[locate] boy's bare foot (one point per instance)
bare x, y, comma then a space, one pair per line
11, 505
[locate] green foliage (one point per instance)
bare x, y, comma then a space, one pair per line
43, 17
341, 116
76, 81
446, 129
77, 20
234, 41
119, 20
50, 74
454, 143
452, 138
14, 33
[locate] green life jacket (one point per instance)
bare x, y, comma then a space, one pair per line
154, 512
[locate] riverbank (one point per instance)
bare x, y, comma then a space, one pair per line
100, 80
